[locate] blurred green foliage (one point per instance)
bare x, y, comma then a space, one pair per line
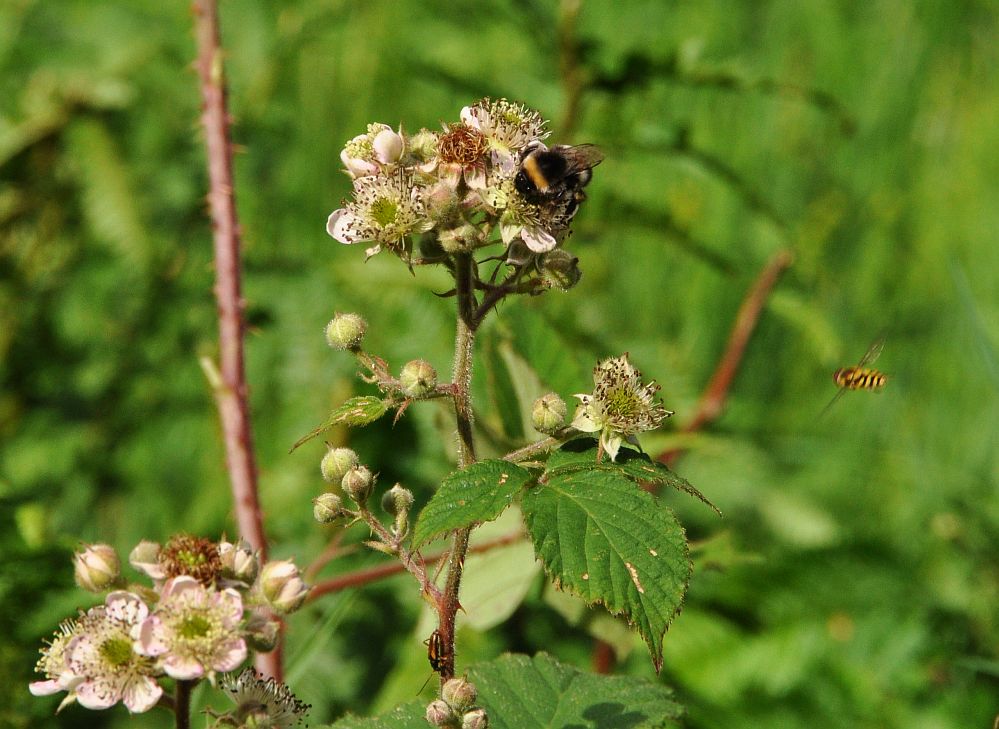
854, 579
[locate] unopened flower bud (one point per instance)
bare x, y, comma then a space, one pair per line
548, 413
459, 694
388, 146
97, 567
282, 586
475, 719
358, 483
327, 508
345, 331
418, 378
462, 238
423, 146
145, 557
261, 632
239, 561
336, 463
560, 270
397, 500
440, 714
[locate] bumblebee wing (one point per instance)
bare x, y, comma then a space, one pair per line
583, 157
873, 353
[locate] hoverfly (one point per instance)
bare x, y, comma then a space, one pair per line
859, 377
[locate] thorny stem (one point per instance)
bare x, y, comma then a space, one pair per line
231, 394
462, 379
182, 704
417, 569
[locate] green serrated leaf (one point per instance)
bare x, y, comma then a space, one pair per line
632, 464
411, 715
610, 542
519, 692
478, 493
356, 412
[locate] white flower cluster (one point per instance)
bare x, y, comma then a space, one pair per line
209, 604
457, 185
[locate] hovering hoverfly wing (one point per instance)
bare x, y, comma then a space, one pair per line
872, 353
837, 396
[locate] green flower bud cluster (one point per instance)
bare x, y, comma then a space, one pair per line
456, 707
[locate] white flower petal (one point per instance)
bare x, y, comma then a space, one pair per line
126, 607
611, 443
141, 694
45, 688
583, 421
152, 637
183, 667
337, 225
230, 655
538, 240
97, 693
388, 146
475, 177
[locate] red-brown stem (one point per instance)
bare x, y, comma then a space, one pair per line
231, 395
380, 572
713, 398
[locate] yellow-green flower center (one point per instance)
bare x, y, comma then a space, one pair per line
116, 651
623, 403
195, 626
384, 211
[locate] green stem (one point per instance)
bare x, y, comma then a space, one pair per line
182, 704
462, 379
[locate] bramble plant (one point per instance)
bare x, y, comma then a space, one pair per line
489, 200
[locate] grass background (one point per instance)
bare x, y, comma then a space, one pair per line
854, 580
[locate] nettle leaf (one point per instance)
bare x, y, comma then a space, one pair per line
478, 493
605, 539
630, 463
519, 692
356, 412
411, 715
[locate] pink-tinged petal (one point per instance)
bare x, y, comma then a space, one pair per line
229, 655
183, 667
538, 240
152, 637
97, 694
232, 603
450, 174
357, 167
338, 225
141, 694
45, 688
178, 586
475, 178
126, 607
504, 161
388, 146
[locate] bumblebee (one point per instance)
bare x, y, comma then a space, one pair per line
860, 377
556, 174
